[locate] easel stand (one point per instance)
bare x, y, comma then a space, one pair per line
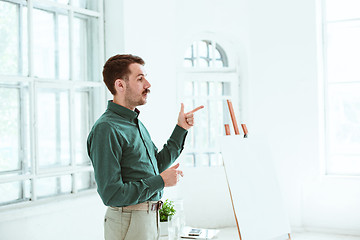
232, 203
283, 225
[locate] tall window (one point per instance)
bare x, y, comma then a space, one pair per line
341, 24
207, 79
49, 81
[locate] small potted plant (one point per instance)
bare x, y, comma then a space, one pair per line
165, 212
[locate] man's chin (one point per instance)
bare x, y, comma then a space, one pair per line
143, 102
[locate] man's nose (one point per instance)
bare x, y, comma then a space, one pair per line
147, 85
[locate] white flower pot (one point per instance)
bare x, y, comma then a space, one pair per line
164, 228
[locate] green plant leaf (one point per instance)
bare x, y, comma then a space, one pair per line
167, 210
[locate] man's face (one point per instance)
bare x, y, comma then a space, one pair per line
137, 87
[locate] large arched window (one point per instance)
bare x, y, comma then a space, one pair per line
207, 78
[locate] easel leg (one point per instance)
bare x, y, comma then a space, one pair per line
232, 203
289, 236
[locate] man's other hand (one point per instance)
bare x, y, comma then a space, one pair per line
171, 175
186, 120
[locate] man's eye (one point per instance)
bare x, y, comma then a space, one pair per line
140, 79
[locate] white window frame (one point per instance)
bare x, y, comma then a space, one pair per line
324, 92
97, 102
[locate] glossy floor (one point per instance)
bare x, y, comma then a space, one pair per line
231, 234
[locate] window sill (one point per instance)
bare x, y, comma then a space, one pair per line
46, 206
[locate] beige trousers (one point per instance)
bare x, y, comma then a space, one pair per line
131, 225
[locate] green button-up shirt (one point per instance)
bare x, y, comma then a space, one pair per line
126, 162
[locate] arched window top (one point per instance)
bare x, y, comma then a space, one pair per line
205, 54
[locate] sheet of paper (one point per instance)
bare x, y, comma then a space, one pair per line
254, 187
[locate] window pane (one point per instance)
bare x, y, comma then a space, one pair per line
202, 160
217, 55
80, 48
216, 126
189, 140
203, 89
82, 126
24, 42
188, 104
14, 192
9, 44
220, 55
188, 53
63, 47
216, 159
9, 129
201, 128
47, 187
188, 63
215, 89
203, 63
85, 180
219, 64
53, 127
211, 50
342, 9
203, 49
88, 4
196, 88
343, 164
344, 119
343, 52
188, 160
226, 118
44, 44
226, 89
86, 36
61, 1
196, 53
188, 88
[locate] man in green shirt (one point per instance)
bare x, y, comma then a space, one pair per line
130, 172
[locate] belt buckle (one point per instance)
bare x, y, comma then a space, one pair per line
160, 204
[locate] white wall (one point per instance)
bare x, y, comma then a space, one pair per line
283, 71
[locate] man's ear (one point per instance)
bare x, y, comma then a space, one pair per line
119, 85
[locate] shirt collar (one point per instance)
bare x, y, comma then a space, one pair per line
123, 111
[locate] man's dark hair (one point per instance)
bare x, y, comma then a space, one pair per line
118, 67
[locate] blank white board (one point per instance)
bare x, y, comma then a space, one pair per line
255, 191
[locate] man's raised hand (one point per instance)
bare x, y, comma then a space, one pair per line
186, 120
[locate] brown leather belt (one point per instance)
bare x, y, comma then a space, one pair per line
145, 206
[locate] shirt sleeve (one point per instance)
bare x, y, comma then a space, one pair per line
172, 149
105, 151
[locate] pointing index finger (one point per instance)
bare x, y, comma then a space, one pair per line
196, 109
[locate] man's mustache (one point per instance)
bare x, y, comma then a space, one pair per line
146, 91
